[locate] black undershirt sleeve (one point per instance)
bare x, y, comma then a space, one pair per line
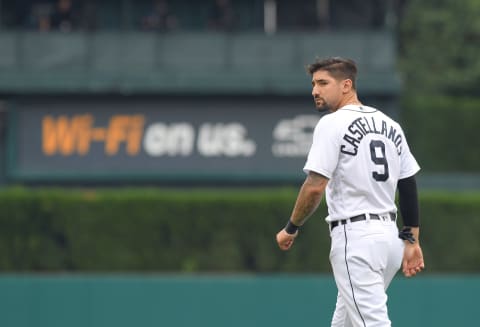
408, 200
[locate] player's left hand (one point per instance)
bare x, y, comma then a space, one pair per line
412, 259
285, 240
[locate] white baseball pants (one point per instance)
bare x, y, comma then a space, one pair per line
365, 256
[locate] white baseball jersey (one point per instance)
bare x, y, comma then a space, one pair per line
363, 153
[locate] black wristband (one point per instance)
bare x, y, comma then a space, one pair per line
407, 235
291, 228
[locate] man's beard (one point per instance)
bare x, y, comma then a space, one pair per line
323, 107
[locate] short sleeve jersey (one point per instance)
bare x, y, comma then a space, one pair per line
363, 153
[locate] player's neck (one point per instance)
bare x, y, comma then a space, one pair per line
350, 99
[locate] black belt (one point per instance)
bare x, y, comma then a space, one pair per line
333, 224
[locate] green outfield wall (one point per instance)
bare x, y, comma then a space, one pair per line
220, 301
187, 62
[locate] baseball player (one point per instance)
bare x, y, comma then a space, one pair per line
359, 157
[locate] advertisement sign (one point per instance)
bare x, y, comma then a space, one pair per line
160, 139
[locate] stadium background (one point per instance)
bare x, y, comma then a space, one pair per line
150, 152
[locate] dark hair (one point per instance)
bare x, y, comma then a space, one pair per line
339, 68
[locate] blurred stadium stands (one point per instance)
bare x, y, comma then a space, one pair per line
195, 15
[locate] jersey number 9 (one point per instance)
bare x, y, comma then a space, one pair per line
379, 158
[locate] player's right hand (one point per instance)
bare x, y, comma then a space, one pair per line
285, 240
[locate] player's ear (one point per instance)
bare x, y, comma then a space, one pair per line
347, 85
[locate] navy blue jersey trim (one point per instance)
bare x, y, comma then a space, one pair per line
362, 111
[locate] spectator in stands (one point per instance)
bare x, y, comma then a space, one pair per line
38, 16
160, 18
323, 13
63, 17
221, 16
